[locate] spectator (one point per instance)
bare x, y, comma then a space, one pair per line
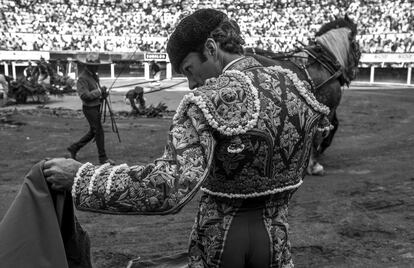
4, 88
148, 23
44, 77
156, 72
28, 71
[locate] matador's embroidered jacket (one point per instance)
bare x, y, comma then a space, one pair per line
245, 134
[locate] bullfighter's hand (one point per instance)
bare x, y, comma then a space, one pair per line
60, 172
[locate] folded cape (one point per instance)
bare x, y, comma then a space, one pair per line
40, 228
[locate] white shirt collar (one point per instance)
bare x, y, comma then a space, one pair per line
231, 63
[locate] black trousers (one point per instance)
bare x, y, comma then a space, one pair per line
247, 242
93, 115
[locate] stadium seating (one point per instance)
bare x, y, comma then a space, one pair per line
144, 25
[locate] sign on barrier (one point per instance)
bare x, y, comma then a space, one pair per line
387, 57
150, 56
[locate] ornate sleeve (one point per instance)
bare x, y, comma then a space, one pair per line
162, 187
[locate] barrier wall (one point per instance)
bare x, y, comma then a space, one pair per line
374, 67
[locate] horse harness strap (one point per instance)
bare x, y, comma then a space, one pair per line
318, 53
328, 61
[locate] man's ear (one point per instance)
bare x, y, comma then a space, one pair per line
211, 47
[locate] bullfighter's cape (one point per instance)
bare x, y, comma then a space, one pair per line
41, 230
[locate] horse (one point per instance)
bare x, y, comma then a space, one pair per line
327, 64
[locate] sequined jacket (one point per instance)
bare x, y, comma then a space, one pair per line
244, 134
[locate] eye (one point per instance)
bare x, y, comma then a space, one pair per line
187, 70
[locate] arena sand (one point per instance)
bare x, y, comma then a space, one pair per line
360, 214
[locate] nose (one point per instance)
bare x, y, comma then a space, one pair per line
192, 84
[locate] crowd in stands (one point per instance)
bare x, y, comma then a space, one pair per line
144, 25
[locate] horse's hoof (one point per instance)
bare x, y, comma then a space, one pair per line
317, 170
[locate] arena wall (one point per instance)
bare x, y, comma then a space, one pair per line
374, 67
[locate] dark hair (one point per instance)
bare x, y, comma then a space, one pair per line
228, 35
192, 32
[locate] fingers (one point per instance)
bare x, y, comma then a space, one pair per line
48, 172
50, 167
51, 179
47, 164
55, 183
55, 186
52, 161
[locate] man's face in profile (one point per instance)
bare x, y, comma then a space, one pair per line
197, 70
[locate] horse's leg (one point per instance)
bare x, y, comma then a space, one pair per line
328, 140
321, 141
314, 167
330, 95
311, 162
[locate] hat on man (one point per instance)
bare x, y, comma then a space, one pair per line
191, 33
92, 58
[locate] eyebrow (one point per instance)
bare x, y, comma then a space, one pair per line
185, 67
181, 67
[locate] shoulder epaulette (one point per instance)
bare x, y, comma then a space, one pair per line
230, 103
